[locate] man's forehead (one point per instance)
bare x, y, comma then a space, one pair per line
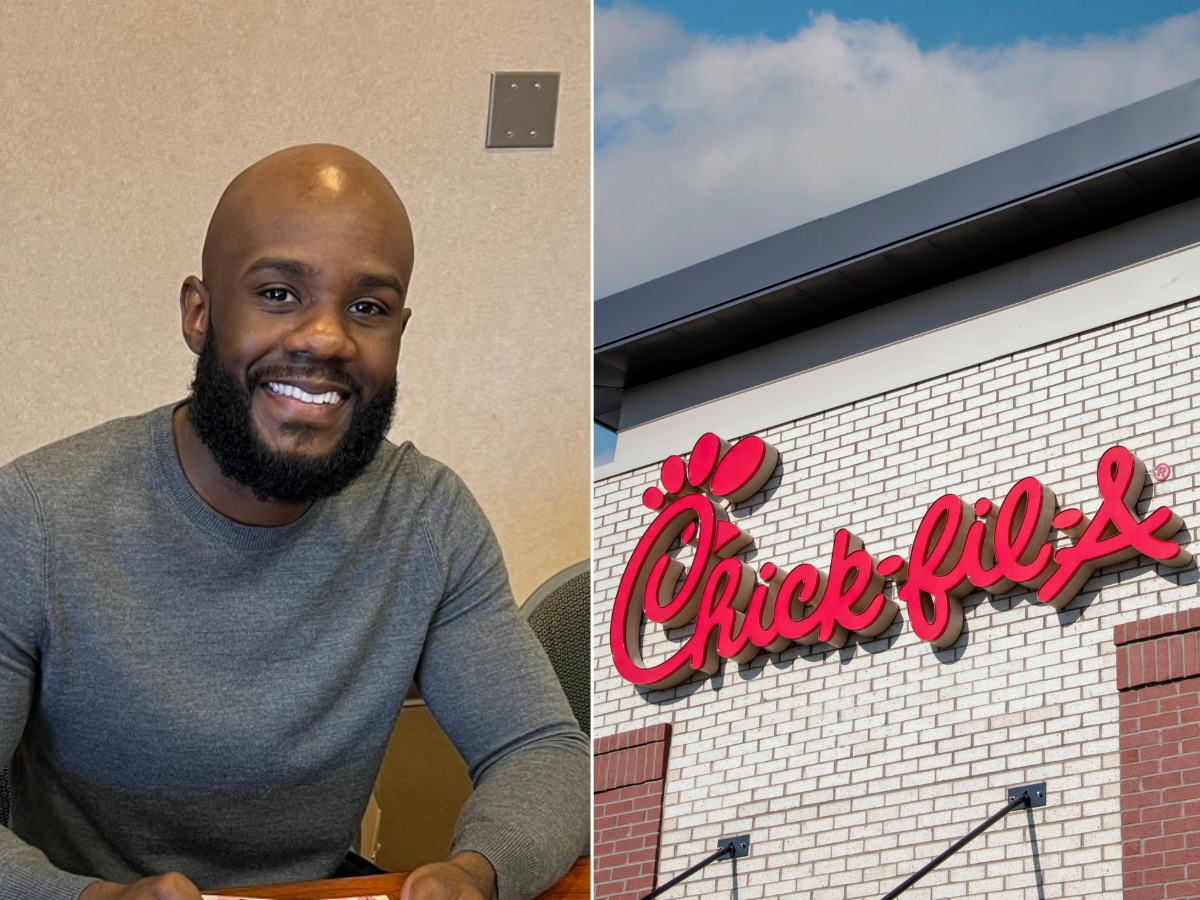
312, 241
306, 196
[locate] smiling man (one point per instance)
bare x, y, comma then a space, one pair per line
209, 614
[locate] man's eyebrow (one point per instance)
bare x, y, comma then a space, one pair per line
370, 280
362, 280
287, 266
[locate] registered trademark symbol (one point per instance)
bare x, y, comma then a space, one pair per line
1162, 472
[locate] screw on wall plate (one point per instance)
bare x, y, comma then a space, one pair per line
740, 844
1037, 794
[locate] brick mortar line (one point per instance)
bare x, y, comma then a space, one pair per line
626, 784
1146, 684
1155, 637
620, 787
596, 754
1127, 641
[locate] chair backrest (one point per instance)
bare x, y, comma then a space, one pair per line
559, 612
5, 799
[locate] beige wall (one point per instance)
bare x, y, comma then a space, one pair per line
121, 123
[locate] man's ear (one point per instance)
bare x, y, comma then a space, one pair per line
405, 315
194, 306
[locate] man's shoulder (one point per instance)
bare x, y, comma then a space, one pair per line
405, 486
402, 473
97, 453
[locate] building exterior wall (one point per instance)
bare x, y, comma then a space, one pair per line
852, 767
627, 811
1158, 675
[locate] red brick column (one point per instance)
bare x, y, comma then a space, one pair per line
627, 809
1158, 677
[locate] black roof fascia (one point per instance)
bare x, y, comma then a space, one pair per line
1085, 178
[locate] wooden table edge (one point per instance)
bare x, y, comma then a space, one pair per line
575, 885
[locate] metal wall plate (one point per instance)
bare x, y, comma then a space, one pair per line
523, 109
1037, 793
741, 845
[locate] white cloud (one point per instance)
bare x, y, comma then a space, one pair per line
711, 143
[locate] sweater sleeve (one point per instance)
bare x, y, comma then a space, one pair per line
25, 872
489, 684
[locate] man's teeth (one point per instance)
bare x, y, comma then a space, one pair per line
289, 390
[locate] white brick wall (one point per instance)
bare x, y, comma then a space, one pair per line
850, 768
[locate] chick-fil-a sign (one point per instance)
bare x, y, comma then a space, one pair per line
958, 548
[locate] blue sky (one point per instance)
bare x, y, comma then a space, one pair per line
932, 22
721, 123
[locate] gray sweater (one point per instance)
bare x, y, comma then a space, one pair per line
180, 692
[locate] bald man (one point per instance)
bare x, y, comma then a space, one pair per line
210, 613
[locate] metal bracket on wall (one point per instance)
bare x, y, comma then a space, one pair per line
740, 844
1036, 792
523, 109
1027, 796
730, 848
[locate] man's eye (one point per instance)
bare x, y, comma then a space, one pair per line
366, 308
277, 295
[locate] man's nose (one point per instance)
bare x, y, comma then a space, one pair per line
320, 333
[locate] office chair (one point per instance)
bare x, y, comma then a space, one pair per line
559, 612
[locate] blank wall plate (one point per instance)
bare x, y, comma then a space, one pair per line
523, 108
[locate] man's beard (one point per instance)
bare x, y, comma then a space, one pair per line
219, 410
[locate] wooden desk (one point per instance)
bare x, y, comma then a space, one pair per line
575, 885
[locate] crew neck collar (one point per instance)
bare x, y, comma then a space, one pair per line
192, 505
